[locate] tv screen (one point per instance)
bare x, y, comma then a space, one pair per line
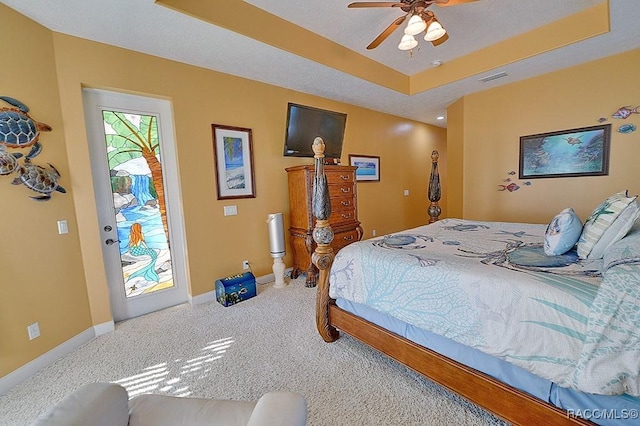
305, 123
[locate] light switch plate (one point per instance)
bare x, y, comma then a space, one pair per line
33, 330
63, 228
230, 210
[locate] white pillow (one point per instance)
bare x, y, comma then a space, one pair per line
608, 223
563, 233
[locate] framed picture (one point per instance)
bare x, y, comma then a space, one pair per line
574, 152
233, 155
368, 167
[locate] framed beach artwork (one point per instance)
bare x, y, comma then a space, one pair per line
233, 154
566, 153
368, 167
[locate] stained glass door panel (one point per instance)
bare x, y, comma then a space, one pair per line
135, 169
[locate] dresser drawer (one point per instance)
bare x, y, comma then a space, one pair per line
341, 190
341, 176
345, 238
340, 203
342, 215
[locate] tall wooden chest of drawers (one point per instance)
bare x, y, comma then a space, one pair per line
343, 219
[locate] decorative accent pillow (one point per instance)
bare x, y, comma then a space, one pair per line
608, 223
562, 233
626, 251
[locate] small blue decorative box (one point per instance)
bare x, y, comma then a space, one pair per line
236, 288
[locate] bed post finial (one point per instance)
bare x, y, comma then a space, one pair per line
434, 189
322, 257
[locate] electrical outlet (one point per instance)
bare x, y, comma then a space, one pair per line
374, 232
33, 330
245, 264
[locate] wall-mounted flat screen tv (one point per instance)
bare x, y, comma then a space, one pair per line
305, 123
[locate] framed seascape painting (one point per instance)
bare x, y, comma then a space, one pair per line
233, 155
566, 153
368, 167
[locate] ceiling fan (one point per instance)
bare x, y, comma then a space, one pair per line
420, 19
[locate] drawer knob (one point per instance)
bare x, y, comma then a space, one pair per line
344, 177
346, 215
348, 238
346, 202
345, 190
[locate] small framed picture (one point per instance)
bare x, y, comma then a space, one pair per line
566, 153
233, 152
368, 167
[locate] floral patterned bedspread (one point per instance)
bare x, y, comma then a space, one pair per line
490, 286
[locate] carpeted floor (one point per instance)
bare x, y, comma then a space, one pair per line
266, 343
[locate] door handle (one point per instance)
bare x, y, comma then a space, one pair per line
111, 241
108, 228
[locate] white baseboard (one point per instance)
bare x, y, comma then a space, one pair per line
104, 328
265, 279
23, 373
202, 298
271, 277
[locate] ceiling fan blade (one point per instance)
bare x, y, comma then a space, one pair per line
376, 4
443, 3
441, 40
386, 33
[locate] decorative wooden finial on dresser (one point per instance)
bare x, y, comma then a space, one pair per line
434, 189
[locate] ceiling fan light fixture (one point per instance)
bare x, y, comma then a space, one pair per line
415, 26
441, 40
434, 31
407, 42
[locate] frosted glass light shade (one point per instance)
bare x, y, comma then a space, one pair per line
407, 42
416, 25
435, 31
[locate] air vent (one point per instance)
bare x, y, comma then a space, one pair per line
493, 76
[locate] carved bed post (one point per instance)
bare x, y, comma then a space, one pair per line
323, 235
434, 189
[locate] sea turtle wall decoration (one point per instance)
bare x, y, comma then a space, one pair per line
18, 129
37, 178
8, 161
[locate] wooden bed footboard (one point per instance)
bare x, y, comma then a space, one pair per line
504, 401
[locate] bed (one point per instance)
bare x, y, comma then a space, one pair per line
479, 308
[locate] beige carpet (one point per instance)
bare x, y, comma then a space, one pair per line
240, 352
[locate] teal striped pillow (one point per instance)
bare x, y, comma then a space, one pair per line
608, 223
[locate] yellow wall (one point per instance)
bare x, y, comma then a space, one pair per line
488, 125
41, 273
60, 281
455, 151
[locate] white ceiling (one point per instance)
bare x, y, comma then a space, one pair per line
144, 26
